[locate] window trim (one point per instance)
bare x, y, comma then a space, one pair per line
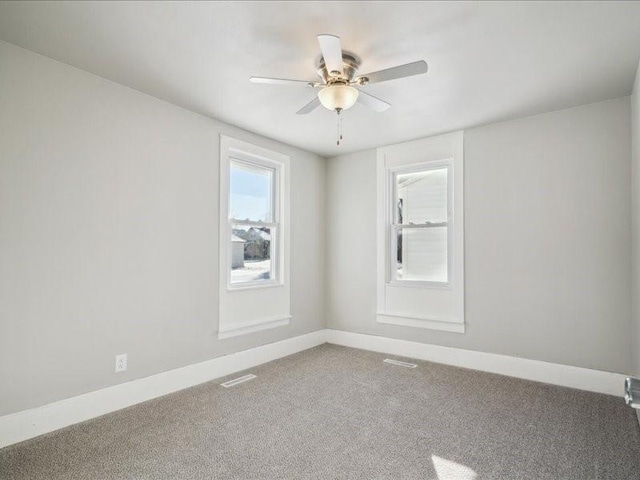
247, 310
407, 304
393, 228
262, 163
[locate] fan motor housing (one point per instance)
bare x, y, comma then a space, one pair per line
350, 65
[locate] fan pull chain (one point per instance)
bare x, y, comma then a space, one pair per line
339, 128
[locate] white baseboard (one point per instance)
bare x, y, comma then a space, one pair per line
27, 424
553, 373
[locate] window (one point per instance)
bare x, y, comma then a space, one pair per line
420, 224
253, 221
420, 234
254, 239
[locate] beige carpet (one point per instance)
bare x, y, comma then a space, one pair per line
333, 412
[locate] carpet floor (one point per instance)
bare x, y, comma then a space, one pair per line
333, 412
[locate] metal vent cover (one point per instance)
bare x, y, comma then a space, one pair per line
238, 381
399, 363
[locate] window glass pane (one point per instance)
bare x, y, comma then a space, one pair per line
422, 196
251, 253
251, 192
422, 254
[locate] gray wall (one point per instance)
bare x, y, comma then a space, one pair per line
108, 233
547, 240
108, 236
635, 220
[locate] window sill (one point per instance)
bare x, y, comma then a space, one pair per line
420, 284
420, 322
253, 285
252, 327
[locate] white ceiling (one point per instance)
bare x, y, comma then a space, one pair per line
487, 61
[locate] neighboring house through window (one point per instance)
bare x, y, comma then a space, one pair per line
254, 220
420, 230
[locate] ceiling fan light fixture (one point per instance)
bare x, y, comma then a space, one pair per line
338, 97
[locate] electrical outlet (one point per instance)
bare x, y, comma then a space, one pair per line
121, 362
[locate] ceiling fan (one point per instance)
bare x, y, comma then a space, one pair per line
338, 71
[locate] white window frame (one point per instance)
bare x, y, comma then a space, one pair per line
259, 164
250, 307
395, 227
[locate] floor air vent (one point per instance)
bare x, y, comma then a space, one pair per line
238, 381
399, 363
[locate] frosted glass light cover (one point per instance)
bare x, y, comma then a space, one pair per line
338, 97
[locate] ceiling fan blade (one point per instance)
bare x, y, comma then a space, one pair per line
309, 107
282, 81
401, 71
372, 102
332, 53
